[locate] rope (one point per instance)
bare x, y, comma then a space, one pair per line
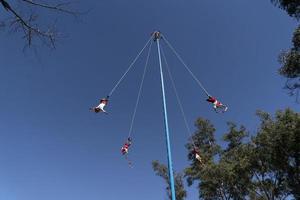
297, 96
140, 90
129, 161
178, 98
188, 69
130, 66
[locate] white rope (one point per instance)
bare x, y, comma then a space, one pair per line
188, 69
178, 98
130, 66
140, 90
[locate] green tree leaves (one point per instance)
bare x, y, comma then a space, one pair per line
278, 150
292, 7
162, 171
265, 166
290, 60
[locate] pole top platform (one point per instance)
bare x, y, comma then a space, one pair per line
156, 35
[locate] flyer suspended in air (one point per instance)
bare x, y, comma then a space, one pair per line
100, 108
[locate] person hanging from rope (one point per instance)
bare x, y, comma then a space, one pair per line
218, 106
100, 108
125, 150
196, 153
125, 147
156, 35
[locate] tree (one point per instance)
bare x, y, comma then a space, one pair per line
290, 65
162, 171
225, 173
292, 7
263, 167
25, 20
290, 60
236, 159
204, 140
277, 147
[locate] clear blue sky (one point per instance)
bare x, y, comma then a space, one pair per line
52, 147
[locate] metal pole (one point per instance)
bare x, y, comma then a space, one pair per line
166, 125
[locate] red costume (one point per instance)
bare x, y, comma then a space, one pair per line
125, 148
218, 106
211, 99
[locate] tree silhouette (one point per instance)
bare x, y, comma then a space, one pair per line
26, 22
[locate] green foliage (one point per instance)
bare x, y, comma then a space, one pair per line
263, 167
162, 171
225, 173
204, 139
290, 64
290, 60
234, 137
296, 39
292, 7
277, 147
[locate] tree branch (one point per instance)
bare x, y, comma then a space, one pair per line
29, 28
57, 7
262, 185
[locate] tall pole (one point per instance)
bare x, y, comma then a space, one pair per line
171, 177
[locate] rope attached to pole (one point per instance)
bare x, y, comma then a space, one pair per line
140, 90
177, 97
185, 65
128, 69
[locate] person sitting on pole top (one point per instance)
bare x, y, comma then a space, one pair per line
156, 35
100, 107
218, 106
125, 147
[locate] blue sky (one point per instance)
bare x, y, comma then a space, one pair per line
52, 147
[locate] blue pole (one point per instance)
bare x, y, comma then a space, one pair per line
166, 125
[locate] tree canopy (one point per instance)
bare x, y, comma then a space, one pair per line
264, 166
290, 59
290, 65
162, 171
292, 7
